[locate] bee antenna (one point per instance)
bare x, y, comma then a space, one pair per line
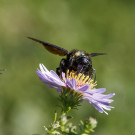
96, 54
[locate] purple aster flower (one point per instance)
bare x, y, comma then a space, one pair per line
79, 83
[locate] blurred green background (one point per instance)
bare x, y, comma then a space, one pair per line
26, 104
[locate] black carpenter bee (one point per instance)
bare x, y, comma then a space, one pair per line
75, 60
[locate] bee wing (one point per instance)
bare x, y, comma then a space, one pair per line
96, 54
52, 48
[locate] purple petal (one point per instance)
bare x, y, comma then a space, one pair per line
84, 88
68, 82
43, 68
98, 100
109, 95
49, 77
73, 82
59, 90
98, 108
63, 76
54, 74
100, 90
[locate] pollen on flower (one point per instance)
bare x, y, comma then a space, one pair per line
81, 79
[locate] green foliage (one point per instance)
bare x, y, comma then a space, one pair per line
69, 99
63, 126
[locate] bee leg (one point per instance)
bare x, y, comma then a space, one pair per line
90, 72
94, 73
58, 71
63, 67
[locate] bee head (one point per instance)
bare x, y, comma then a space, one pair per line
79, 61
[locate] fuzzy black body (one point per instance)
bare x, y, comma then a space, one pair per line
78, 61
75, 60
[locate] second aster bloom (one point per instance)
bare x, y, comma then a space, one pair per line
77, 87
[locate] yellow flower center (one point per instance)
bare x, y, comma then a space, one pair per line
81, 79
